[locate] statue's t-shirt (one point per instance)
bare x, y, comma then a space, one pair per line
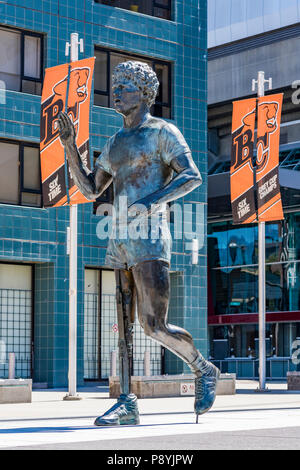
138, 160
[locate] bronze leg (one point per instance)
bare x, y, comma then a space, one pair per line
152, 281
153, 289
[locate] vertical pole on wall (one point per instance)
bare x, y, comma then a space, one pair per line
261, 266
72, 375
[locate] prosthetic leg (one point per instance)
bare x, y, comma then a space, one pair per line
125, 411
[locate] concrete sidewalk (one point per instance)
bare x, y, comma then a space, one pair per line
166, 423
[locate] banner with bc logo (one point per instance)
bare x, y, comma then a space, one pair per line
66, 87
261, 175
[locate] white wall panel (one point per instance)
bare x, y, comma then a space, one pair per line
231, 20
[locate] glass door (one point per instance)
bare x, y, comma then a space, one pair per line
16, 318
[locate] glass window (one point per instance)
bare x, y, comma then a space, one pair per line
230, 245
31, 168
162, 105
9, 173
32, 56
107, 60
233, 245
291, 238
21, 61
243, 340
100, 78
283, 287
274, 242
158, 8
10, 63
234, 290
20, 178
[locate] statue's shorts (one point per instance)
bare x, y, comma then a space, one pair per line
128, 246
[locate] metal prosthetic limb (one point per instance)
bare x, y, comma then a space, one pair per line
125, 411
125, 324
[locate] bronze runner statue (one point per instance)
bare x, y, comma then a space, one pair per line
150, 164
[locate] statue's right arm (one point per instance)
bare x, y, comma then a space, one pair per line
91, 183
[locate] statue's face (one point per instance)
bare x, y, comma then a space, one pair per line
126, 97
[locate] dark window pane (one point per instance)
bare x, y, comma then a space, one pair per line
161, 13
32, 56
234, 290
283, 287
159, 8
164, 3
274, 242
166, 112
30, 199
100, 75
9, 173
10, 58
291, 237
230, 245
31, 168
32, 88
100, 100
162, 72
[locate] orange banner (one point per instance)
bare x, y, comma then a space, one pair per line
72, 83
241, 170
267, 160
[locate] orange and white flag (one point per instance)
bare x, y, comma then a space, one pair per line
269, 203
66, 87
241, 170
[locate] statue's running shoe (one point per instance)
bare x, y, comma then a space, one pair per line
205, 388
125, 411
207, 376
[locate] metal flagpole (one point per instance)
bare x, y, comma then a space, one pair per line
72, 251
261, 265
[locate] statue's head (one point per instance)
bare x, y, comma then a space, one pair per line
133, 82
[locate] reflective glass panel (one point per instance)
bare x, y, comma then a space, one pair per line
234, 290
230, 245
10, 63
9, 173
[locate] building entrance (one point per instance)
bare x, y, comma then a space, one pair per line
16, 318
101, 329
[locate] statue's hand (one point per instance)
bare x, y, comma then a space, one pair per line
66, 129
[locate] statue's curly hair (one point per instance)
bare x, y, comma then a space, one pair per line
141, 75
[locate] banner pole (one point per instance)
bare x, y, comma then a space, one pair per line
262, 267
73, 249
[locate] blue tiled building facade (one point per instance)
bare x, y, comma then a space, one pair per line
37, 236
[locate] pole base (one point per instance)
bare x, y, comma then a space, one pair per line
72, 398
262, 390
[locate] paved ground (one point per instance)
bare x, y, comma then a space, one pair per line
247, 420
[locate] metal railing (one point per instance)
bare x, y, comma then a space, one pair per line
22, 368
97, 351
242, 366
